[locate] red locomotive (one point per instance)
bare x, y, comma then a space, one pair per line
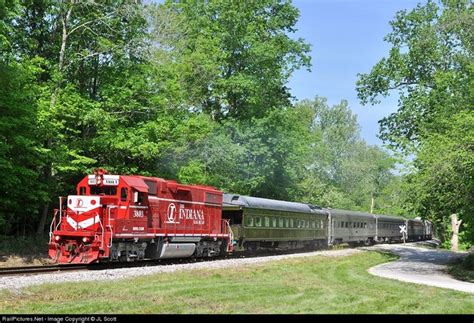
126, 218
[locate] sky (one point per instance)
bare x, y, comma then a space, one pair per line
346, 38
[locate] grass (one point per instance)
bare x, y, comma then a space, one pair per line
23, 251
304, 285
463, 269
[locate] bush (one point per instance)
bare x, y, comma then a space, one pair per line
468, 262
23, 246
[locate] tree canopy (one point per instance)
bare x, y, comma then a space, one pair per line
197, 91
431, 65
238, 55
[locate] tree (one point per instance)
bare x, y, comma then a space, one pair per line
238, 56
19, 153
443, 183
92, 81
262, 157
343, 171
431, 65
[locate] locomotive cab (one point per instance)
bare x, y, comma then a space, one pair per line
82, 228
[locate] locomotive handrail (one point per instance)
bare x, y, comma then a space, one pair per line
228, 231
103, 230
53, 222
110, 227
60, 219
61, 204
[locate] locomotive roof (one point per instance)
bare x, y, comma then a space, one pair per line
234, 200
135, 182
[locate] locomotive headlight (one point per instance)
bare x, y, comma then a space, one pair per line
86, 239
57, 238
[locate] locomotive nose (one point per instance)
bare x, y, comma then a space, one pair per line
80, 203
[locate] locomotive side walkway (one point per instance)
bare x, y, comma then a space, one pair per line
420, 266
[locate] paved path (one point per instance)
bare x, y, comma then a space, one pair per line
420, 265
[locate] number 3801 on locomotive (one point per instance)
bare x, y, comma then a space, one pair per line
127, 218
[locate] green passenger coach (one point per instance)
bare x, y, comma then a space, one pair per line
259, 223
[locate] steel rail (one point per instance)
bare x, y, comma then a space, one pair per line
28, 270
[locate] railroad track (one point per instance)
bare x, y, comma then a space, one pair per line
30, 270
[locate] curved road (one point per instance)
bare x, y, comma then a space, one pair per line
420, 265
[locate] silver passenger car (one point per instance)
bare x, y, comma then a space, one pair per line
351, 227
415, 228
388, 228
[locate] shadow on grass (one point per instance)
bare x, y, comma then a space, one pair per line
390, 256
462, 269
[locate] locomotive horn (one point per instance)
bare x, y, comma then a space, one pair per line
99, 175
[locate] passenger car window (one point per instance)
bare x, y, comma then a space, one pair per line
249, 221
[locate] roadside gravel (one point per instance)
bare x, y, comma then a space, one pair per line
16, 283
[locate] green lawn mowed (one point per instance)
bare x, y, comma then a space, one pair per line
304, 285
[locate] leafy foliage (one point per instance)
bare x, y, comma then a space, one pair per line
187, 90
431, 65
238, 55
343, 171
444, 181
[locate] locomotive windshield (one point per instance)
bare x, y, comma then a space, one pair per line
104, 190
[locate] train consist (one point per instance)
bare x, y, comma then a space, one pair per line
127, 218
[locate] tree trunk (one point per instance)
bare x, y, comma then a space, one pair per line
44, 215
49, 143
455, 224
372, 204
62, 51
